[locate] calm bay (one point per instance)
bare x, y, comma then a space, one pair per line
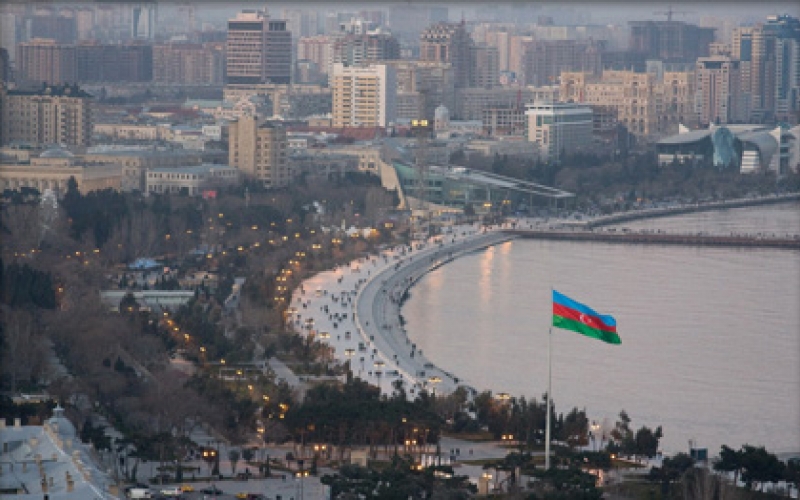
710, 336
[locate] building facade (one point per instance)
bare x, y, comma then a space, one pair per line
559, 129
260, 151
449, 43
363, 96
670, 41
189, 63
49, 115
718, 91
259, 49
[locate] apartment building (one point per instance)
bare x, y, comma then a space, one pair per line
363, 96
49, 115
260, 151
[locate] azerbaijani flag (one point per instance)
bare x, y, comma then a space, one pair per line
571, 315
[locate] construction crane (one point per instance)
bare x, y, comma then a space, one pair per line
669, 13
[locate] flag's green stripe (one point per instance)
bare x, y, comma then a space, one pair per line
583, 329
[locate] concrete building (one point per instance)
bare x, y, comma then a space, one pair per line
52, 170
260, 151
470, 102
357, 49
49, 115
449, 43
189, 63
485, 70
718, 91
422, 86
559, 128
134, 161
670, 41
318, 49
192, 181
363, 96
259, 49
770, 67
647, 106
45, 60
543, 61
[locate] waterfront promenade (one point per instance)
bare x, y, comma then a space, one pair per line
356, 310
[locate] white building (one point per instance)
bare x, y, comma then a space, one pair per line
363, 96
559, 128
192, 181
49, 461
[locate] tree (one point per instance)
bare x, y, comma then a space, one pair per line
760, 466
729, 460
647, 441
233, 456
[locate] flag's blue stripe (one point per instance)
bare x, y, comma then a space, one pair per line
560, 298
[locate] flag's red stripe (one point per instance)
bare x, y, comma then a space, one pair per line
569, 313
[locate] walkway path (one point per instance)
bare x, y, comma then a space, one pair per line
356, 309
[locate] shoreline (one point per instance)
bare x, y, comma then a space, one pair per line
360, 316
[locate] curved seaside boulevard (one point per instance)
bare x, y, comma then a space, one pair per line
356, 310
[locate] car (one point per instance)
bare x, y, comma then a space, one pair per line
211, 490
171, 491
187, 488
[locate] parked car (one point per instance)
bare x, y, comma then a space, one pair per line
212, 490
171, 491
139, 493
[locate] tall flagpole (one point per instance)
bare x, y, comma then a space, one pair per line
549, 398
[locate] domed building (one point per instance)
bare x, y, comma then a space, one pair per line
49, 461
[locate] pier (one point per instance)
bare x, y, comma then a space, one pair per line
630, 215
661, 238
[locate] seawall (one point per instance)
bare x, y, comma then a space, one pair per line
685, 209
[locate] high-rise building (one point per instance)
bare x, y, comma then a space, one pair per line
544, 60
143, 20
363, 96
422, 87
46, 61
559, 128
259, 49
449, 43
718, 96
53, 114
770, 67
189, 63
259, 151
405, 20
649, 106
670, 41
485, 70
62, 29
356, 49
318, 49
131, 62
8, 33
